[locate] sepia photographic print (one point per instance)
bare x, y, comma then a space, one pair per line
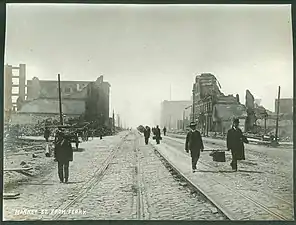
148, 112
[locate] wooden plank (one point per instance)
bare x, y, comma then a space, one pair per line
25, 173
17, 169
11, 195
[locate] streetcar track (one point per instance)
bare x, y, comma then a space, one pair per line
260, 205
98, 175
206, 164
179, 178
140, 203
184, 178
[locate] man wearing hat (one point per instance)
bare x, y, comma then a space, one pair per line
194, 144
63, 154
235, 142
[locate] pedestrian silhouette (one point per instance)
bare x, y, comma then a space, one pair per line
194, 144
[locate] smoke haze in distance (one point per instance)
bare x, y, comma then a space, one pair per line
143, 49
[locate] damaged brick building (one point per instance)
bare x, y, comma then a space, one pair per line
212, 109
86, 99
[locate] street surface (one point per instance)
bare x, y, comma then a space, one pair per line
266, 175
115, 178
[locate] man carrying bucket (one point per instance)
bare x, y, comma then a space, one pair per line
235, 143
194, 144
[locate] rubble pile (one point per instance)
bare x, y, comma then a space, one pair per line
23, 130
23, 154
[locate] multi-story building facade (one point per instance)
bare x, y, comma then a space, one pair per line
49, 88
90, 99
11, 73
212, 109
97, 101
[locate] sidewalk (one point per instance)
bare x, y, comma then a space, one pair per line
47, 193
253, 142
232, 192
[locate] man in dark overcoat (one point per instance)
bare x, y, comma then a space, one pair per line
194, 144
147, 134
157, 135
235, 142
46, 134
63, 155
164, 131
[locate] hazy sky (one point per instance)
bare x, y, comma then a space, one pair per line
142, 49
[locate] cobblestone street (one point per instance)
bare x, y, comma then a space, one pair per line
46, 193
135, 185
262, 177
265, 169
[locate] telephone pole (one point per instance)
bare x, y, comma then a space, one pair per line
277, 117
60, 100
113, 121
193, 98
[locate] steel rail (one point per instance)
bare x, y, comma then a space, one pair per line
260, 205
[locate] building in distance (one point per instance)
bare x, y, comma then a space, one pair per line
172, 113
79, 98
286, 106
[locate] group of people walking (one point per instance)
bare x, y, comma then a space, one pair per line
156, 134
63, 152
234, 142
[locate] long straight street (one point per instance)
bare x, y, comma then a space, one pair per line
263, 177
115, 178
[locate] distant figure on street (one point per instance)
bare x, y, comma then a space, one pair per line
63, 155
235, 142
147, 134
194, 144
46, 134
101, 131
157, 135
164, 131
77, 140
272, 137
86, 134
93, 134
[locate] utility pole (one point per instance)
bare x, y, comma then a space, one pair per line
170, 92
113, 121
60, 100
265, 118
118, 120
184, 119
193, 98
277, 118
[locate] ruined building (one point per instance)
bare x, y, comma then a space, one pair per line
213, 110
90, 99
97, 101
14, 77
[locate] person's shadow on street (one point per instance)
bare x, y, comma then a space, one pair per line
78, 150
227, 171
74, 182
